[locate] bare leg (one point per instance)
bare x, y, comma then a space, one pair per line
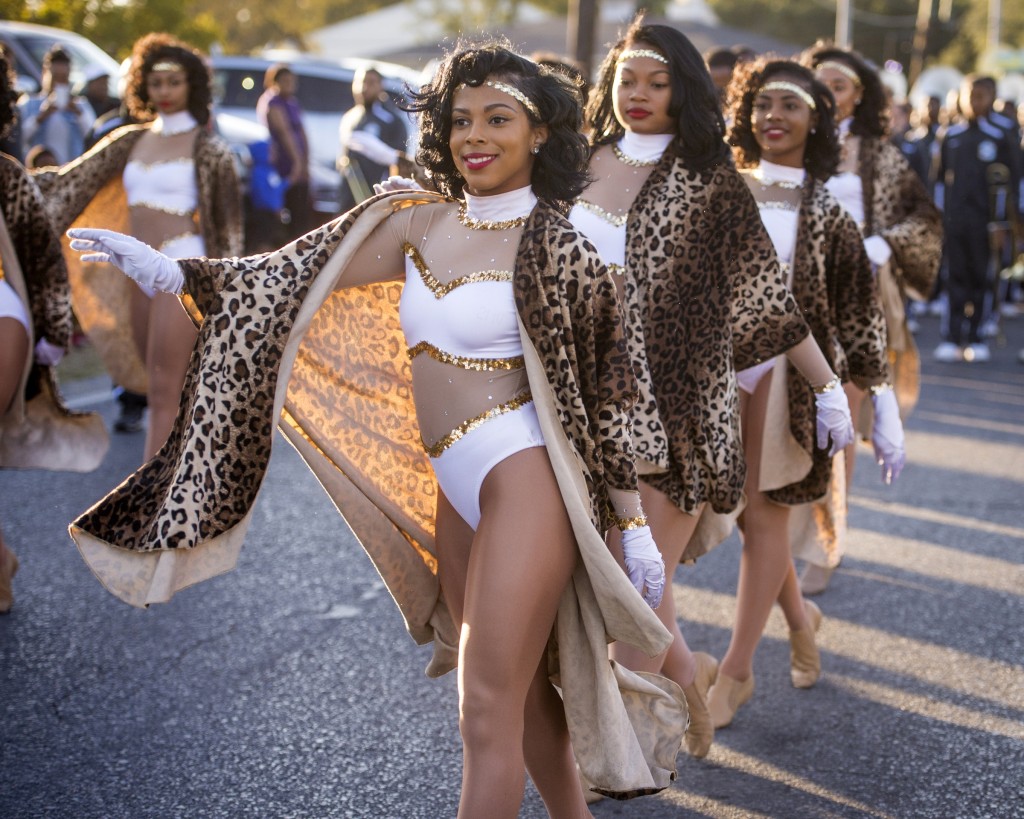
511, 592
13, 355
172, 337
765, 560
140, 307
855, 395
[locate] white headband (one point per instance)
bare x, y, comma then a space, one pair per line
842, 69
792, 87
512, 91
642, 52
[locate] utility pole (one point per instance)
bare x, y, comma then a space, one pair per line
925, 10
579, 39
843, 23
995, 15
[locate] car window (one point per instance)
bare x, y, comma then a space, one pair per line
37, 46
236, 87
320, 94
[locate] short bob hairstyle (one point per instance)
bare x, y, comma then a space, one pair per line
272, 76
700, 129
559, 170
158, 48
870, 118
821, 155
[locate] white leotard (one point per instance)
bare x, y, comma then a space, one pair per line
460, 322
13, 307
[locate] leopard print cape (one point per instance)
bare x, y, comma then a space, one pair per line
88, 192
37, 431
703, 273
837, 293
279, 342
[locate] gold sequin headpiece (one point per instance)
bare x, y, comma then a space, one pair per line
793, 88
167, 65
513, 92
642, 52
842, 68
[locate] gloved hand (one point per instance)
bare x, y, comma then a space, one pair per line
833, 419
47, 354
878, 250
397, 183
137, 260
644, 565
887, 435
373, 148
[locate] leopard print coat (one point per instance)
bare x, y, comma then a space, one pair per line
897, 208
836, 291
39, 252
88, 192
37, 431
280, 343
703, 274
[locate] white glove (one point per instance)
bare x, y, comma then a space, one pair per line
397, 183
887, 435
878, 250
137, 260
833, 420
372, 148
644, 565
47, 354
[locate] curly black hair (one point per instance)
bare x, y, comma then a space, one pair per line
821, 154
560, 169
8, 93
871, 117
700, 128
155, 48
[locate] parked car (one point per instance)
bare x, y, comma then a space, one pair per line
324, 93
28, 43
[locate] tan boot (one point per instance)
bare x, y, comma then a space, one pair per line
8, 568
804, 659
700, 733
726, 696
814, 579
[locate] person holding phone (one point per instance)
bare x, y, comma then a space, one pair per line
55, 117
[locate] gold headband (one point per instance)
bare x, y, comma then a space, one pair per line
642, 52
792, 87
167, 65
512, 91
842, 69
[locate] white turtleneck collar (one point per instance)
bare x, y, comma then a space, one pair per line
770, 172
176, 123
644, 147
844, 126
502, 206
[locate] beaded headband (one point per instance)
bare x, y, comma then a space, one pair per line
642, 52
842, 69
512, 91
167, 65
792, 87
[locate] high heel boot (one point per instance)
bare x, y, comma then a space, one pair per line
804, 659
700, 733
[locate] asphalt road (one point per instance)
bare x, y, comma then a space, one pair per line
289, 687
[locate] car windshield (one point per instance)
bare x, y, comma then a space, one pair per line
241, 88
82, 54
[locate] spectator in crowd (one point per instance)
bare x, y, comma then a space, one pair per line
372, 138
721, 62
95, 89
55, 117
966, 189
278, 108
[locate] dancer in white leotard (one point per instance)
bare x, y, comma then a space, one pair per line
513, 347
183, 197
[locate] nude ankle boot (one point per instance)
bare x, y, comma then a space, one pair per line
700, 733
804, 659
726, 696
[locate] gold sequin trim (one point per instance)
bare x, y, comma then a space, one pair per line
625, 158
441, 289
601, 213
625, 524
617, 269
468, 426
481, 365
487, 224
790, 206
